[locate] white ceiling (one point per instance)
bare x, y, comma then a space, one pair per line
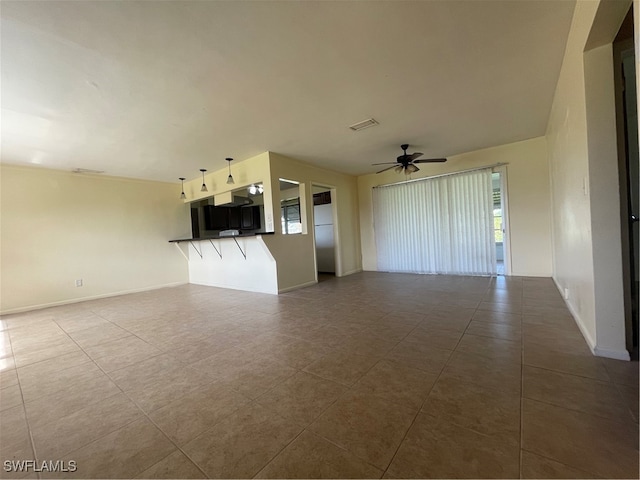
157, 90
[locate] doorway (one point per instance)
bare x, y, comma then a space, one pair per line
324, 222
628, 168
500, 230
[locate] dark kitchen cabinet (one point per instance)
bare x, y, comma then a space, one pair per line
234, 218
250, 218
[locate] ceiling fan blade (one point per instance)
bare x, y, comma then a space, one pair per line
388, 168
413, 156
430, 160
385, 163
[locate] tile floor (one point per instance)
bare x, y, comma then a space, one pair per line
368, 376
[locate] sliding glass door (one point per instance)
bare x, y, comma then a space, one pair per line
438, 225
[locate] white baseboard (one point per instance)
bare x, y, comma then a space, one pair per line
615, 354
86, 299
233, 287
597, 351
351, 272
295, 287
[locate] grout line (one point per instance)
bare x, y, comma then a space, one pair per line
24, 407
144, 414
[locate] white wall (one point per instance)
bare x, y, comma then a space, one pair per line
112, 233
529, 201
255, 273
585, 198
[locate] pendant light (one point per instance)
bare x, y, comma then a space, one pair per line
230, 177
182, 195
204, 186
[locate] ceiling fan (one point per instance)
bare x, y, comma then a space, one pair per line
406, 162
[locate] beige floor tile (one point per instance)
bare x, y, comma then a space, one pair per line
476, 407
575, 393
8, 377
442, 339
310, 456
121, 353
256, 378
597, 445
70, 400
15, 442
242, 444
297, 353
190, 415
81, 323
302, 397
39, 385
368, 426
97, 335
52, 366
369, 344
28, 356
196, 351
630, 394
622, 372
485, 371
498, 317
147, 372
121, 454
420, 356
397, 383
66, 434
220, 364
176, 383
581, 364
504, 331
560, 339
176, 465
435, 448
342, 366
535, 466
214, 348
10, 396
490, 347
506, 307
443, 322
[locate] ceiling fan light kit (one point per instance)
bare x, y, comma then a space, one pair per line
406, 162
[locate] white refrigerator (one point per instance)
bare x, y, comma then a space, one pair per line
325, 247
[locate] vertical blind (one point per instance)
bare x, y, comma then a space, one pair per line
439, 225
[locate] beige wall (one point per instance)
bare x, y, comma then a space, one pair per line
57, 227
528, 195
585, 198
295, 254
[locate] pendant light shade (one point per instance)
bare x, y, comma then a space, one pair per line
182, 195
204, 185
230, 177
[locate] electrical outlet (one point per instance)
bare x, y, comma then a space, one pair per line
79, 282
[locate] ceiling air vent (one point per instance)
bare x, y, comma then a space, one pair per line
369, 122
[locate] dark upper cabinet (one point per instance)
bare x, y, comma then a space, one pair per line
234, 218
216, 218
237, 218
250, 218
322, 198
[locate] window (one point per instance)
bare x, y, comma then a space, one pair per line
290, 217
